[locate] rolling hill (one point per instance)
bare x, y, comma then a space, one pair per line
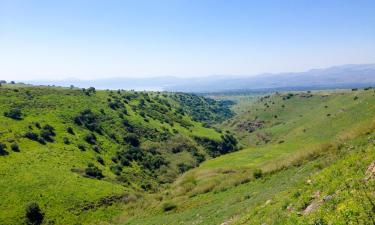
86, 156
78, 153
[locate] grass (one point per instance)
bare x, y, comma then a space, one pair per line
224, 189
53, 174
307, 142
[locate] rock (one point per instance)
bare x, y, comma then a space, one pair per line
316, 194
370, 172
327, 198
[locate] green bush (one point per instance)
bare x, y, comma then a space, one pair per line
132, 139
3, 148
14, 113
34, 215
91, 139
15, 147
168, 206
81, 147
66, 140
100, 160
70, 131
89, 120
258, 173
93, 171
116, 169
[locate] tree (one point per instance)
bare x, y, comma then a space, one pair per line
34, 214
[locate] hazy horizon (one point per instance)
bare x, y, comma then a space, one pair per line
99, 40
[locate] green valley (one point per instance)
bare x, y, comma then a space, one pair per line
86, 156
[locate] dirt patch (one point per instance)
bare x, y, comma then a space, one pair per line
250, 126
104, 202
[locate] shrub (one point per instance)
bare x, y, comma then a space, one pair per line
182, 167
3, 148
15, 147
93, 171
132, 139
81, 147
34, 214
91, 139
116, 169
47, 135
66, 140
168, 206
356, 97
89, 120
258, 174
32, 136
100, 160
70, 131
14, 113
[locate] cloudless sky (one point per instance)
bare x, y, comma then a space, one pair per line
91, 39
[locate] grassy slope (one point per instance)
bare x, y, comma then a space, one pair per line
42, 173
223, 188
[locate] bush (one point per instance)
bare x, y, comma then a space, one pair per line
89, 120
168, 206
32, 136
3, 148
258, 174
15, 147
116, 169
14, 113
81, 147
91, 139
100, 160
34, 214
47, 135
93, 171
66, 140
132, 139
70, 131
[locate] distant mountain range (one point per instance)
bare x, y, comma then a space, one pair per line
345, 76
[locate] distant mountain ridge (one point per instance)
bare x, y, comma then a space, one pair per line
345, 76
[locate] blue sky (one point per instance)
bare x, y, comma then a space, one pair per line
91, 39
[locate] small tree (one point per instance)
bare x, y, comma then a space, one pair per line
34, 215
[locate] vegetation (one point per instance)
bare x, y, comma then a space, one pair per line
97, 150
125, 157
34, 215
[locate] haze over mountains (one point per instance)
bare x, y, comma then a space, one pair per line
345, 76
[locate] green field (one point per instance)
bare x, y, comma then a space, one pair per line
172, 158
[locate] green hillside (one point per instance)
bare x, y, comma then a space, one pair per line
81, 154
86, 156
297, 144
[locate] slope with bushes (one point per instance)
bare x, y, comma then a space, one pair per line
296, 140
79, 155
